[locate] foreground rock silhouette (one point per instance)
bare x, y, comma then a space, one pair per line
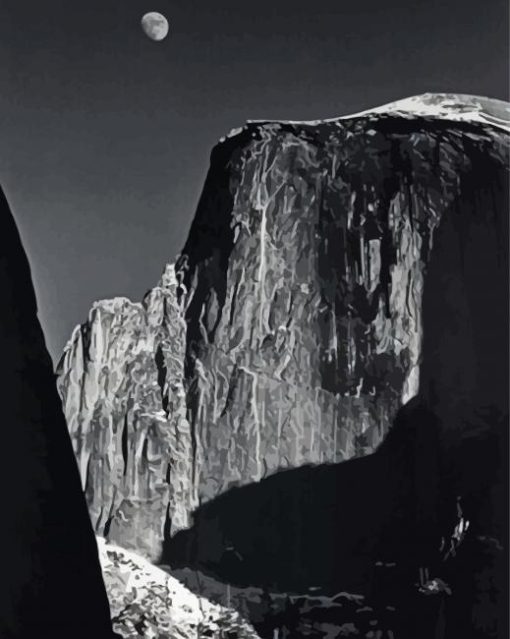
50, 577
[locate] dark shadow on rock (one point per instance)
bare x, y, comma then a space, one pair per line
465, 381
324, 525
50, 578
364, 526
444, 462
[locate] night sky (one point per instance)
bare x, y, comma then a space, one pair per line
105, 135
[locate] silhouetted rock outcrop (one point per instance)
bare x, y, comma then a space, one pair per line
50, 578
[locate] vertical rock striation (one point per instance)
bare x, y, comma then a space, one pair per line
303, 278
121, 379
50, 579
294, 331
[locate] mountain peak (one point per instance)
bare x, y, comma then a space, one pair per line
449, 106
456, 107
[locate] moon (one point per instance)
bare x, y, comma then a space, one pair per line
155, 26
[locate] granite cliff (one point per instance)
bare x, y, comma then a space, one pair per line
50, 579
289, 330
121, 379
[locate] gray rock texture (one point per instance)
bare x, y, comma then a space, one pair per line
290, 329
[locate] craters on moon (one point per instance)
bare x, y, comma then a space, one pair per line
155, 26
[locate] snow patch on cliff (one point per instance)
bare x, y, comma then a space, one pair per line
455, 107
147, 602
447, 106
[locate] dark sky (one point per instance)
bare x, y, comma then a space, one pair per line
105, 135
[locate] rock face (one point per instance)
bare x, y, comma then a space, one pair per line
50, 581
294, 332
121, 379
